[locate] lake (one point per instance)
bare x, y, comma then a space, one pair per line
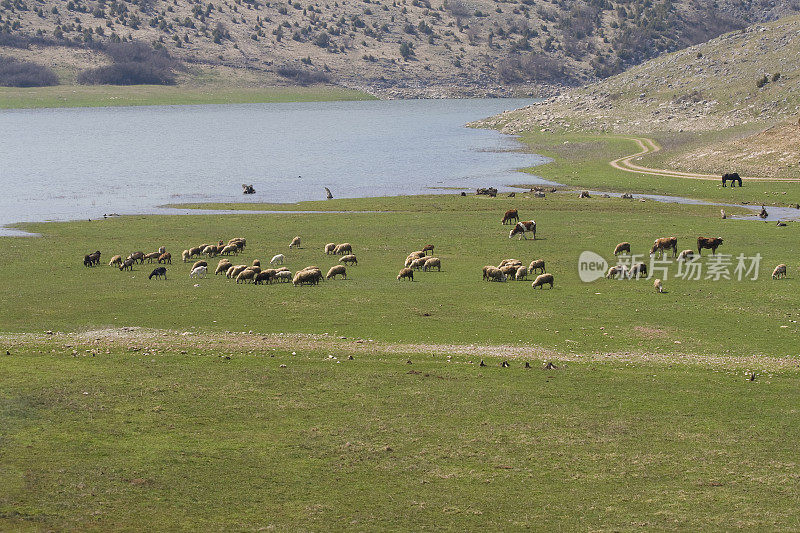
67, 164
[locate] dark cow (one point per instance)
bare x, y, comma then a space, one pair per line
708, 242
733, 177
510, 215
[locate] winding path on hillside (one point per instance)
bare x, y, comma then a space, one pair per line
648, 146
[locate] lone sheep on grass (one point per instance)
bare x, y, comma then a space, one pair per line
537, 264
658, 285
542, 280
277, 259
622, 247
779, 272
337, 270
295, 243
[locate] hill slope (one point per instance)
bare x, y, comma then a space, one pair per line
380, 44
744, 82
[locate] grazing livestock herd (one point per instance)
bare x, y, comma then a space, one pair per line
508, 269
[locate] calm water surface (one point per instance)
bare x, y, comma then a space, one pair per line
65, 164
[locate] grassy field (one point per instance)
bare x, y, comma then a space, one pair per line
170, 441
581, 160
112, 96
649, 420
52, 290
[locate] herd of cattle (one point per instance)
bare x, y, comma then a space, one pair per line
512, 269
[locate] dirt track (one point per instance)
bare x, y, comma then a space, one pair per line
648, 146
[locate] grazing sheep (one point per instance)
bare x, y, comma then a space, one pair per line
238, 242
223, 266
658, 285
265, 275
165, 257
199, 272
779, 272
541, 280
413, 256
486, 271
329, 248
510, 215
245, 275
283, 276
295, 243
416, 264
351, 259
614, 271
235, 271
210, 250
584, 194
186, 256
256, 263
708, 242
637, 270
512, 262
127, 264
281, 269
230, 249
432, 262
307, 277
406, 273
337, 269
509, 270
665, 243
343, 249
537, 264
522, 227
195, 252
115, 261
151, 257
277, 259
627, 196
255, 269
622, 247
158, 272
722, 212
495, 274
199, 263
686, 255
522, 273
427, 248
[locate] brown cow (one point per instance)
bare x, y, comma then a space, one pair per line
510, 215
708, 242
665, 243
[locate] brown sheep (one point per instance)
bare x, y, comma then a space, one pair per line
708, 242
416, 264
194, 252
349, 259
152, 257
432, 262
512, 262
222, 266
779, 272
295, 243
246, 275
427, 248
622, 247
537, 264
638, 270
137, 256
495, 274
337, 270
199, 263
166, 257
329, 248
509, 270
186, 256
406, 273
343, 249
115, 261
541, 280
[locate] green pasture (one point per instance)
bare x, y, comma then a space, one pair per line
136, 95
46, 286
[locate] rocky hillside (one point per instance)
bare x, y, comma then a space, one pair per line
394, 46
746, 83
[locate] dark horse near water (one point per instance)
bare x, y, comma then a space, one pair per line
733, 177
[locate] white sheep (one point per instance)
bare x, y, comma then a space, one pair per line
432, 262
277, 259
199, 272
283, 275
